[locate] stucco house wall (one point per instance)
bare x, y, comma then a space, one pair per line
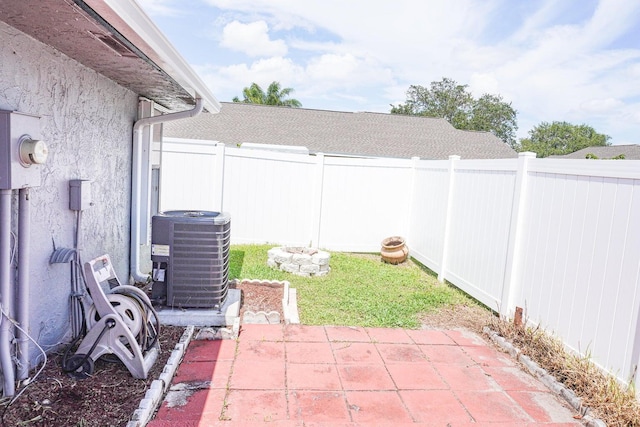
86, 120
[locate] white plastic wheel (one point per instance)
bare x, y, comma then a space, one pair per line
127, 308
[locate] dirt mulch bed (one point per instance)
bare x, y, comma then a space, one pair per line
260, 296
107, 398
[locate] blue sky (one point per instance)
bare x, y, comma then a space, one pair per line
554, 60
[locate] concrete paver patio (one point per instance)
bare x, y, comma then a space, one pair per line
298, 375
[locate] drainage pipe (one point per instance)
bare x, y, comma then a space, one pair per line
6, 293
22, 302
138, 181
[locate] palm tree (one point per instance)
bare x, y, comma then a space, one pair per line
274, 96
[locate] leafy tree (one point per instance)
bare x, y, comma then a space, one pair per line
275, 95
594, 157
559, 138
491, 114
445, 99
451, 101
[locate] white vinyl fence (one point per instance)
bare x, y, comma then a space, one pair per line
559, 238
344, 204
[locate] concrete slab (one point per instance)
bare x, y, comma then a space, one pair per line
320, 406
201, 317
309, 352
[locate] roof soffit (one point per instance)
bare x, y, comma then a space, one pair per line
79, 32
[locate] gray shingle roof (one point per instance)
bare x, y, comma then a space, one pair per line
631, 152
332, 132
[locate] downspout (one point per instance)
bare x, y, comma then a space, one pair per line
6, 292
137, 182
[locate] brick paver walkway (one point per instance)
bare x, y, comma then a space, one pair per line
341, 376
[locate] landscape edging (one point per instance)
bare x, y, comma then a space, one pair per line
154, 395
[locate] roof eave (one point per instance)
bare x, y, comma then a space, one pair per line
132, 22
117, 39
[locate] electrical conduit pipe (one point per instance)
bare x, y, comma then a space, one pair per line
6, 293
22, 302
137, 182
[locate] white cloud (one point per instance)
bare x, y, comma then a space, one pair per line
252, 39
264, 71
344, 79
481, 83
612, 18
566, 72
332, 67
227, 82
347, 69
606, 105
552, 60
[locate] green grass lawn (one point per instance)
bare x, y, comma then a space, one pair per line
360, 290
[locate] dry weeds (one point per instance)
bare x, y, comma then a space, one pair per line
606, 398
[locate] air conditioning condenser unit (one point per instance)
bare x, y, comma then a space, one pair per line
190, 255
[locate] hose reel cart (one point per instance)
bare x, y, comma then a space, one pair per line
121, 322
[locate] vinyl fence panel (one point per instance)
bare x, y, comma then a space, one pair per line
580, 277
269, 196
363, 201
428, 216
187, 175
479, 232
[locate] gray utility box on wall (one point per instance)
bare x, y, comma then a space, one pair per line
80, 194
21, 151
190, 254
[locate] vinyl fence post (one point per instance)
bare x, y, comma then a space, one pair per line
415, 161
218, 185
316, 217
512, 282
447, 223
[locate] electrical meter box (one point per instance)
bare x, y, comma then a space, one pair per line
22, 153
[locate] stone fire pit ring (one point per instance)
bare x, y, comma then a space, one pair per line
300, 261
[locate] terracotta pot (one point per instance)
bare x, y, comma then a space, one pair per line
394, 250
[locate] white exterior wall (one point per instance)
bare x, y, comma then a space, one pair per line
86, 121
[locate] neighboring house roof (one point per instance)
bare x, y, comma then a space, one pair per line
332, 132
631, 152
116, 39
